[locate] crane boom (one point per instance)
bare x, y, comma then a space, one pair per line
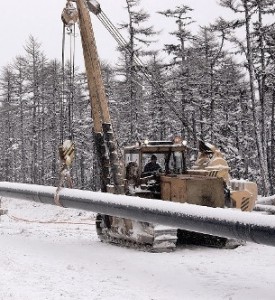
95, 8
99, 105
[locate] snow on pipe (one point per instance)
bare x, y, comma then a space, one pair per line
265, 208
230, 223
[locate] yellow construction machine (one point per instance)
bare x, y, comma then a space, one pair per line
207, 183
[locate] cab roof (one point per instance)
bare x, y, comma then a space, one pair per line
155, 147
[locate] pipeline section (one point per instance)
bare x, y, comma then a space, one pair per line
231, 223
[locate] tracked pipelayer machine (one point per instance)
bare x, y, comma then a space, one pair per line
207, 183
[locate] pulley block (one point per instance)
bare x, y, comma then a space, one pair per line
69, 15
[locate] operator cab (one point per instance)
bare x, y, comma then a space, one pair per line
169, 155
146, 162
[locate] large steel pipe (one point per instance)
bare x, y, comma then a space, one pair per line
229, 223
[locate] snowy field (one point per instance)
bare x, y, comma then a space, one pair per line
47, 252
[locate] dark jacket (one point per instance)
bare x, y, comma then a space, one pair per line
151, 167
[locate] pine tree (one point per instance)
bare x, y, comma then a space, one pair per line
256, 72
180, 67
139, 37
8, 121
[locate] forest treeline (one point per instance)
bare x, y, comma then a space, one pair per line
212, 86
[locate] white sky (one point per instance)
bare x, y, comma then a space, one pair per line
21, 18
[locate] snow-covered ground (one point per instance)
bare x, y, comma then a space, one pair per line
47, 252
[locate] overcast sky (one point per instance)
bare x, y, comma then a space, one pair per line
40, 18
